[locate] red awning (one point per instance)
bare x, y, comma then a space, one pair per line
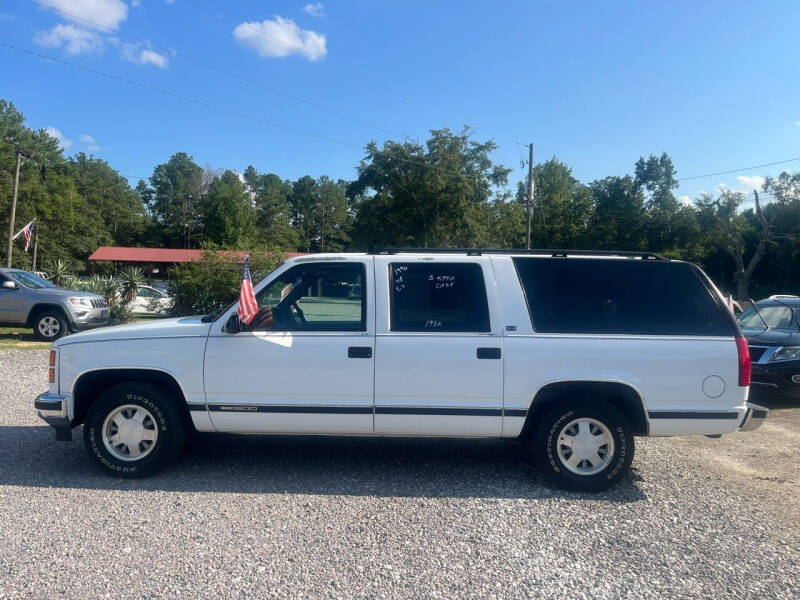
158, 255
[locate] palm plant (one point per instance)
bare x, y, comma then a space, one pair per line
131, 279
94, 284
71, 282
59, 271
109, 289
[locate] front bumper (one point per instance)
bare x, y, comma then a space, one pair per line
52, 408
776, 378
89, 318
754, 416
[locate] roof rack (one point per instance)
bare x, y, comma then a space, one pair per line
553, 253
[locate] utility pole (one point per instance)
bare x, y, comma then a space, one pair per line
529, 195
10, 247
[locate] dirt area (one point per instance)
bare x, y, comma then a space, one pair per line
763, 464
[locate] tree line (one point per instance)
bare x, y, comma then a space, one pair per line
445, 192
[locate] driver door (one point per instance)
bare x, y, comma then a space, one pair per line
309, 370
10, 302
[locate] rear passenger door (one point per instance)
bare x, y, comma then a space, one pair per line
438, 347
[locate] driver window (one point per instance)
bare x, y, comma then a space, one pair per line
314, 297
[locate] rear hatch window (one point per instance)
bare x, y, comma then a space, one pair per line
637, 297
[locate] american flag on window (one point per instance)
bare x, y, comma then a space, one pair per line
248, 306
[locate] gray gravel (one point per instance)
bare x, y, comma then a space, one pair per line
294, 517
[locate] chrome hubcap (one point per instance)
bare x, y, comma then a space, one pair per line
130, 432
49, 326
585, 446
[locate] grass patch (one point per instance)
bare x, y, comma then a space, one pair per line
20, 338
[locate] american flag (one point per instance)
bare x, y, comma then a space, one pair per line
26, 231
248, 307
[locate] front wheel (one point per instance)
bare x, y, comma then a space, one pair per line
133, 431
584, 446
49, 325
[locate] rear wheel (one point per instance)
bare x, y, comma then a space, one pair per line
49, 325
132, 430
584, 445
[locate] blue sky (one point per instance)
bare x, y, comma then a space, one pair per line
597, 84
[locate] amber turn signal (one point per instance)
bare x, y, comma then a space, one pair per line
52, 358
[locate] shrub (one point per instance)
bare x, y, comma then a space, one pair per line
214, 282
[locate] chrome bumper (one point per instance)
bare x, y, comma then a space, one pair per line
754, 416
52, 408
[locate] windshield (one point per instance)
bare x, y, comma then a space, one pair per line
30, 280
776, 317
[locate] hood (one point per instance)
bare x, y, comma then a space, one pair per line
62, 293
157, 328
771, 337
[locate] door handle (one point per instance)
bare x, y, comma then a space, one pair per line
359, 352
489, 353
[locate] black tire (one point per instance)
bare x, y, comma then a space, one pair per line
616, 458
49, 324
162, 416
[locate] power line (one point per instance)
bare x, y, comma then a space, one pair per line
178, 96
221, 70
216, 107
772, 164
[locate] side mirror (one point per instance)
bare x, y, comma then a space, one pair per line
10, 285
233, 325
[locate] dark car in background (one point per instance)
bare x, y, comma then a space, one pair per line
772, 329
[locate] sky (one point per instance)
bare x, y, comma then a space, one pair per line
299, 88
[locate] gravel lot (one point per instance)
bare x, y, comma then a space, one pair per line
294, 517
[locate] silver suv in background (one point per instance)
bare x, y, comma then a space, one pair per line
27, 300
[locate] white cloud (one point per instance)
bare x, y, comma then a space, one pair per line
685, 200
281, 37
143, 54
62, 140
106, 13
315, 9
748, 183
74, 39
90, 142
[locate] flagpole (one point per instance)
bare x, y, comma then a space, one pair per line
35, 245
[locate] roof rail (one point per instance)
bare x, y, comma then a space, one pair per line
553, 253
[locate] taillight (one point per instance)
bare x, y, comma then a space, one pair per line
51, 372
744, 361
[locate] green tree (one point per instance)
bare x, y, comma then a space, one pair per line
618, 219
407, 194
271, 197
331, 214
228, 214
177, 192
120, 206
562, 207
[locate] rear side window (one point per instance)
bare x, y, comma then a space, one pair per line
438, 297
574, 295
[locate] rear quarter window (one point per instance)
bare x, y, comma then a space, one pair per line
438, 297
637, 297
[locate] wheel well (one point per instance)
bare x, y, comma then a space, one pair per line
622, 396
37, 308
90, 385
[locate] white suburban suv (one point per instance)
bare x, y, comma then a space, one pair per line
576, 353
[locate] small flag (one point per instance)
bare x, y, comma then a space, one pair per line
248, 307
26, 231
729, 302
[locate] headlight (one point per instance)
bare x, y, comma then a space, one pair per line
787, 353
80, 301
